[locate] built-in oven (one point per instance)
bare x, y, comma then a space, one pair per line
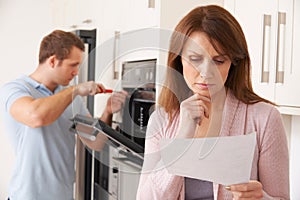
119, 171
137, 110
113, 173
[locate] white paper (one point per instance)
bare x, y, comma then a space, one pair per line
223, 160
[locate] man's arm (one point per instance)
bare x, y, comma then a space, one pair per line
43, 111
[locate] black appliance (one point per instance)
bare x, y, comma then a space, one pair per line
137, 110
138, 79
110, 183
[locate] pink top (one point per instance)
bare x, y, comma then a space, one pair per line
270, 163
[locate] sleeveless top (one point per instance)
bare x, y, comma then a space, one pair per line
196, 189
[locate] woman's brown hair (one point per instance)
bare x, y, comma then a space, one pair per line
227, 37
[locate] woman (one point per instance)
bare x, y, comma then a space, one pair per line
209, 88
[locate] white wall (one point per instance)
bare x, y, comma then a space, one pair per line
22, 25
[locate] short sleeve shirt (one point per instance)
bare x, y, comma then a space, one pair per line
45, 158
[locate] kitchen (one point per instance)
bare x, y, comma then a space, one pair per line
30, 20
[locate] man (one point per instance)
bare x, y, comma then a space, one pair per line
37, 113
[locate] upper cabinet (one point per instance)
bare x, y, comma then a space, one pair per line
112, 19
124, 15
290, 90
271, 28
73, 14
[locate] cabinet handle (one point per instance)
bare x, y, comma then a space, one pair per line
266, 49
280, 47
116, 52
151, 3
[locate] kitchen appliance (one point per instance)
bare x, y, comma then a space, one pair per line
138, 79
117, 170
113, 173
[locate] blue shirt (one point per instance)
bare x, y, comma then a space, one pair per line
45, 159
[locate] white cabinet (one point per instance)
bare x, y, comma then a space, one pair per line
74, 14
271, 28
290, 90
124, 16
136, 14
117, 22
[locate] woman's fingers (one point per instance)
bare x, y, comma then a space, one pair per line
250, 190
195, 105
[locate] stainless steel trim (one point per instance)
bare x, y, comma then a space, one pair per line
93, 175
280, 47
116, 52
151, 3
266, 48
80, 168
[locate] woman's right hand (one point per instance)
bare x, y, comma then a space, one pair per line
251, 190
192, 112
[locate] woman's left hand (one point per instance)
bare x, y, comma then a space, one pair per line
251, 190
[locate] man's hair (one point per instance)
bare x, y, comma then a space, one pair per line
59, 43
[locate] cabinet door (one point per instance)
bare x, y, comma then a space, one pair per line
288, 93
124, 16
135, 36
137, 14
268, 27
70, 14
258, 20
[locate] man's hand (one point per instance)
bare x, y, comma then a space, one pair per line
88, 88
116, 102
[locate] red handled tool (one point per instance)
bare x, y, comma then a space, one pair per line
108, 91
105, 91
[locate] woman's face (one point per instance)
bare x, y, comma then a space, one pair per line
204, 69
